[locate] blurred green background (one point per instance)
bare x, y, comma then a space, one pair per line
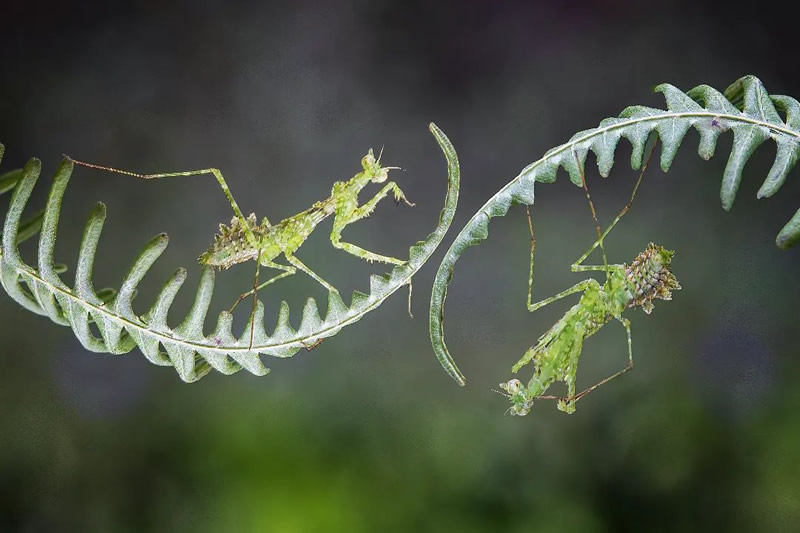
367, 433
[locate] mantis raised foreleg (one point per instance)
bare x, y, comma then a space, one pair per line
348, 215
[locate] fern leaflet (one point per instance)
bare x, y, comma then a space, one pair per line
745, 108
186, 347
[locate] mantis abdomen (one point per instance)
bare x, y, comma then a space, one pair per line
232, 245
557, 352
648, 279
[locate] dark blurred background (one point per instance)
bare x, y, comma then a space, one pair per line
367, 433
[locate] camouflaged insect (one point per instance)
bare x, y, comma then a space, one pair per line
245, 240
556, 354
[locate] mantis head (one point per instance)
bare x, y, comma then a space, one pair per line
521, 401
373, 168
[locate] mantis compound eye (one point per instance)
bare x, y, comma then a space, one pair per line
379, 175
520, 402
521, 409
368, 161
512, 387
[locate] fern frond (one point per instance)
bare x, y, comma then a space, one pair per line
745, 108
186, 347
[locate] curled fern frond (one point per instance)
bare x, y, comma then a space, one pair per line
186, 347
745, 108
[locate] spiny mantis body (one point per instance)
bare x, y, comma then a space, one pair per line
557, 352
246, 240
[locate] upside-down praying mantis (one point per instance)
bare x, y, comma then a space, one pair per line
247, 240
557, 352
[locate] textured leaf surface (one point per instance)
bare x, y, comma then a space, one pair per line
745, 108
185, 347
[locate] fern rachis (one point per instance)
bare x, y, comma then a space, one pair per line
246, 240
745, 108
192, 352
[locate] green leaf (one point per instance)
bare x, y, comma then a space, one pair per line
185, 347
744, 108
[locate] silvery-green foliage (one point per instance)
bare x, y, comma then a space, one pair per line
187, 347
745, 108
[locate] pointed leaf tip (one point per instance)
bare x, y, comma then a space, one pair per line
185, 347
745, 108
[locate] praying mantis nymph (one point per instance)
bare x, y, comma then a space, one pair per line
557, 352
245, 240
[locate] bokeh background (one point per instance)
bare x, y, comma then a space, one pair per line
366, 432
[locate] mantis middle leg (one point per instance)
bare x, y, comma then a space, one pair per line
578, 287
577, 266
299, 264
288, 271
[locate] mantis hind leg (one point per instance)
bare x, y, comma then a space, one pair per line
213, 171
288, 271
575, 397
533, 253
577, 266
255, 301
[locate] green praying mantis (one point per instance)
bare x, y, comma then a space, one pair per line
557, 352
246, 240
